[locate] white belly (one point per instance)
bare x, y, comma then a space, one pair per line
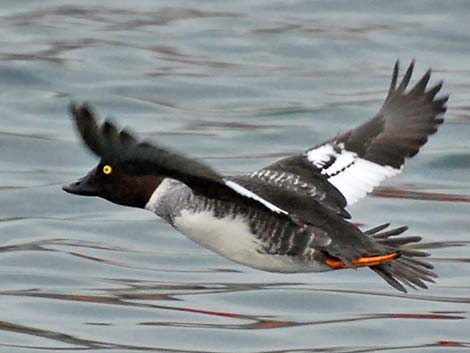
232, 238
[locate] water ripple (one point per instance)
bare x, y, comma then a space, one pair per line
241, 84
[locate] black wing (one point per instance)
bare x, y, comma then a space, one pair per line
304, 200
350, 165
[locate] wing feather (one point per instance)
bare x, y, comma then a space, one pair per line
360, 159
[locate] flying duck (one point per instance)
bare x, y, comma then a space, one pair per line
289, 216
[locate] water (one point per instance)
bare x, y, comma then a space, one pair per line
238, 84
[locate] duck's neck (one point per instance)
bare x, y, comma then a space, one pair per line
158, 192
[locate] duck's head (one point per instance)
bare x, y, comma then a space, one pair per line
109, 180
113, 184
130, 171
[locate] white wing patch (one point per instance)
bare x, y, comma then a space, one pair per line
353, 176
251, 195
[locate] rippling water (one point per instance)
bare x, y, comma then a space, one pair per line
239, 84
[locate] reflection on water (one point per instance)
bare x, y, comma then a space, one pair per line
418, 195
154, 296
240, 84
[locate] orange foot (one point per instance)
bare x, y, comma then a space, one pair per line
363, 261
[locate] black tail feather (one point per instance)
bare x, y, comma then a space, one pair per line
409, 269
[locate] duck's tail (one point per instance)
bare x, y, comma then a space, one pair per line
407, 269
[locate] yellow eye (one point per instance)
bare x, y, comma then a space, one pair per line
107, 169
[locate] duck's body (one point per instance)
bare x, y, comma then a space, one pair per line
252, 237
289, 216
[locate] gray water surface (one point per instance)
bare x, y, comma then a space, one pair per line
238, 84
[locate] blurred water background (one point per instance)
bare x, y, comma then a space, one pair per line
239, 84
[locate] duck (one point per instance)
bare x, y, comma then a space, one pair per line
287, 217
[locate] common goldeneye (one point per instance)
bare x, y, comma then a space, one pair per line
289, 216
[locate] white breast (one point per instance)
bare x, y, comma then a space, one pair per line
231, 237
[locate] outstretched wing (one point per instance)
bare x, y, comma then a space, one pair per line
358, 160
120, 148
